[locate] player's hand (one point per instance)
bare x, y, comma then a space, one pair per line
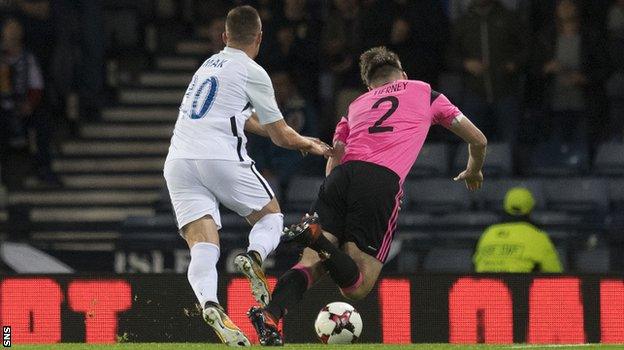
473, 180
318, 147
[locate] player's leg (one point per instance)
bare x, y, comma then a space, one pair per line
288, 292
370, 269
250, 195
332, 209
197, 215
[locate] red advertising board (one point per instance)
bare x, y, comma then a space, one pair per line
498, 309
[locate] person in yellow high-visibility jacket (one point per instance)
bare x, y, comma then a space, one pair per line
516, 245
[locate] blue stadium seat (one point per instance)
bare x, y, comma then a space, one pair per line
498, 161
553, 159
577, 195
492, 194
449, 260
437, 195
302, 192
433, 160
593, 261
610, 159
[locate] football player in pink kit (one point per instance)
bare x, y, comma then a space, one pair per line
375, 146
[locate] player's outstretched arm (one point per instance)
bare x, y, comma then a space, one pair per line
477, 144
253, 126
284, 136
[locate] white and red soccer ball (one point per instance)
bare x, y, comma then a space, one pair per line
338, 323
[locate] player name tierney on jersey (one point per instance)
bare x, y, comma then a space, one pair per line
401, 85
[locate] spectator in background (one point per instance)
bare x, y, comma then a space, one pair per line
572, 61
516, 245
294, 47
21, 92
214, 33
341, 46
615, 84
278, 164
416, 30
489, 48
78, 58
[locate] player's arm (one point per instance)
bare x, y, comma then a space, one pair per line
449, 116
477, 144
253, 126
340, 144
336, 158
286, 137
262, 96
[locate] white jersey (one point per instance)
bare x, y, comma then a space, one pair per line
216, 105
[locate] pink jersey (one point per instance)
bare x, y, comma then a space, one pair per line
387, 126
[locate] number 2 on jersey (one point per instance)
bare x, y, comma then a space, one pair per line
213, 85
377, 128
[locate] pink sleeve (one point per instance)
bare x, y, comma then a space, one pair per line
342, 130
443, 111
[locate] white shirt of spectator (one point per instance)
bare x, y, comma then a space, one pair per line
220, 98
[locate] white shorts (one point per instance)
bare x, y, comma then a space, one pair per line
196, 188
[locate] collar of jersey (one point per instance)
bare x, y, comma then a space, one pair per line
232, 50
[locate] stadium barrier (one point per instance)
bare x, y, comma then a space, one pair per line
536, 309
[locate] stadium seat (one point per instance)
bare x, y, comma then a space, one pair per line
449, 260
408, 262
433, 160
437, 195
498, 161
616, 193
576, 195
553, 159
610, 159
593, 261
563, 257
492, 194
302, 192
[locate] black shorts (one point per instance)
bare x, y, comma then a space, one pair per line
359, 202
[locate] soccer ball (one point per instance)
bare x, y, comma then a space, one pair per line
338, 323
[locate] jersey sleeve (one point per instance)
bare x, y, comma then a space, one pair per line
262, 96
443, 110
342, 130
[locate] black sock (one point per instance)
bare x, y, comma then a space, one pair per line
287, 293
342, 269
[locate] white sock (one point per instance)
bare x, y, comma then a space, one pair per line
265, 234
202, 272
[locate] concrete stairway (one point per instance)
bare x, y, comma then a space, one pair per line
114, 169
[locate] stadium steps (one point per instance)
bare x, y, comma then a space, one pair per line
73, 198
193, 47
109, 182
137, 166
177, 63
140, 114
124, 131
114, 149
165, 79
147, 96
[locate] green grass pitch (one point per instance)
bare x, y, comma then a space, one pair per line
195, 346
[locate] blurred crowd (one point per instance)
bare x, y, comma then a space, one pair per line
528, 72
51, 74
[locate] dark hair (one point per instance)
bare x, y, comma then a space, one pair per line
243, 24
378, 63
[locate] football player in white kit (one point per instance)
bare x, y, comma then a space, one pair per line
207, 164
